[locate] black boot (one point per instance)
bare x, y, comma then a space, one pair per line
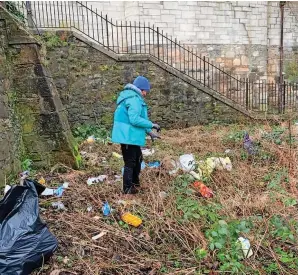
128, 186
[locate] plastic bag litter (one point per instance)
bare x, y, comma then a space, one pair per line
98, 179
203, 189
106, 209
25, 241
91, 139
245, 244
154, 164
187, 162
58, 192
197, 175
147, 152
58, 205
6, 188
175, 167
212, 163
48, 192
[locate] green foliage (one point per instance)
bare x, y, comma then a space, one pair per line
280, 228
52, 40
223, 238
26, 165
82, 132
271, 268
292, 71
200, 254
287, 258
275, 179
275, 136
234, 137
190, 206
13, 8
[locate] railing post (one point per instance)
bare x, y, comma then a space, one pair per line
204, 69
284, 98
29, 14
107, 28
246, 94
158, 54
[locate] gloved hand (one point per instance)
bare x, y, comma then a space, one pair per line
156, 126
153, 136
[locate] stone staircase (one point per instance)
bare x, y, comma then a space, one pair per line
129, 42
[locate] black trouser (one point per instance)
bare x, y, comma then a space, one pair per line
132, 156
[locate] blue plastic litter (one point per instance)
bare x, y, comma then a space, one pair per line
143, 166
59, 191
155, 164
106, 210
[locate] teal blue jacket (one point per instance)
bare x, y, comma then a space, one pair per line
131, 121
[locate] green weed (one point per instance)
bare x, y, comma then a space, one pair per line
280, 228
223, 238
82, 132
52, 40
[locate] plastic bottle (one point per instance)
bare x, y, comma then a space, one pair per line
131, 219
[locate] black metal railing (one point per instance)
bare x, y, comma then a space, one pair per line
139, 38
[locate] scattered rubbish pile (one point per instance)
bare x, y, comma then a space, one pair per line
200, 169
170, 213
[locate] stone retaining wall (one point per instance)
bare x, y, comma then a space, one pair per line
89, 82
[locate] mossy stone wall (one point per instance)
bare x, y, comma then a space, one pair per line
89, 82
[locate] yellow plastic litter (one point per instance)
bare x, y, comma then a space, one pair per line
116, 155
207, 167
42, 181
213, 163
131, 219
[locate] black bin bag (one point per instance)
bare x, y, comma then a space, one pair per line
25, 241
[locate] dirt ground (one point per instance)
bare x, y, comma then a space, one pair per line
182, 232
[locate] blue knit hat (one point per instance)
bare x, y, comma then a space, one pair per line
142, 83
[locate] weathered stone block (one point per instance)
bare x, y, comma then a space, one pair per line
244, 60
236, 62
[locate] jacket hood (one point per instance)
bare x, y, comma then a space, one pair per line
130, 90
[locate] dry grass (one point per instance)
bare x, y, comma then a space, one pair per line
163, 243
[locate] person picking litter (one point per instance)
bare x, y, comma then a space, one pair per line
131, 124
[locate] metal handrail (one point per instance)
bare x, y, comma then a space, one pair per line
136, 38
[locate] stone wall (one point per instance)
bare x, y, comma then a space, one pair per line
9, 128
89, 82
33, 122
243, 37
